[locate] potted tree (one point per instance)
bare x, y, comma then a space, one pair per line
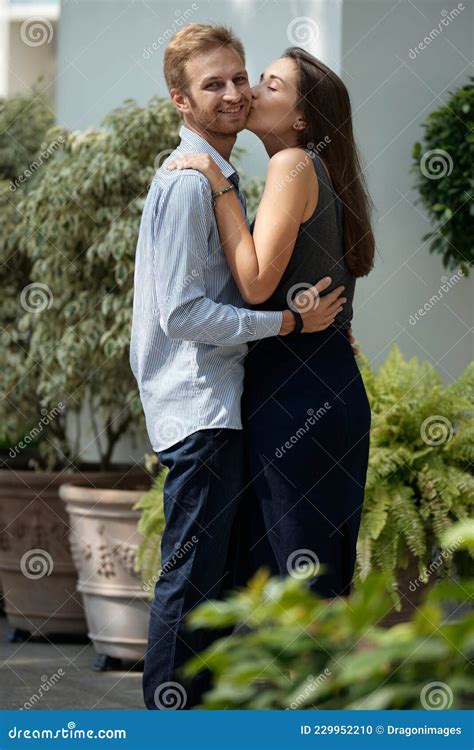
104, 539
36, 568
419, 479
72, 236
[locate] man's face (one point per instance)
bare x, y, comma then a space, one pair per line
218, 96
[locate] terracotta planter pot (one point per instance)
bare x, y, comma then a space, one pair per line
37, 572
104, 540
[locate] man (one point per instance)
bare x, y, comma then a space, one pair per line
189, 340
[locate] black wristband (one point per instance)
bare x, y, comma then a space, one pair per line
298, 323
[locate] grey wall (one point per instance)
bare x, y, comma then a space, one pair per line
392, 94
103, 59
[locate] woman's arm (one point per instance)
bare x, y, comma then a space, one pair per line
257, 263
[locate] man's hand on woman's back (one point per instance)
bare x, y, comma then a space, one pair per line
317, 312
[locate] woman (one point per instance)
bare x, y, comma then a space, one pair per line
305, 409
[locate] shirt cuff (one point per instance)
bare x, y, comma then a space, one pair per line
266, 324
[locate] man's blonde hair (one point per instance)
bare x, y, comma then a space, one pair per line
192, 40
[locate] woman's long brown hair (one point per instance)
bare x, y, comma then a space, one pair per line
325, 105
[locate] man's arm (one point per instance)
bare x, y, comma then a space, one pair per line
181, 251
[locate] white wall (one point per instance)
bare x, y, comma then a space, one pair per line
28, 46
31, 66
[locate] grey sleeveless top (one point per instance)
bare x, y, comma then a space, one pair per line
318, 252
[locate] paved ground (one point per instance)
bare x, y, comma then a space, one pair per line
25, 666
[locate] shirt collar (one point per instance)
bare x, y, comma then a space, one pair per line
193, 142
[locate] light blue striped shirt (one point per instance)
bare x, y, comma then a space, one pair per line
190, 325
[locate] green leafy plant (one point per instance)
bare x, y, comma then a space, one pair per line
443, 166
419, 479
24, 121
79, 229
251, 187
253, 190
151, 525
292, 650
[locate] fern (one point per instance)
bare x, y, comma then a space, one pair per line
419, 479
364, 555
151, 525
407, 520
379, 513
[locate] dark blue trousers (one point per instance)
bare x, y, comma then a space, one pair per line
201, 493
307, 421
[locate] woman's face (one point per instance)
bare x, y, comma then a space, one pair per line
274, 98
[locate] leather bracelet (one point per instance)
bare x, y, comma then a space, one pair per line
221, 192
298, 323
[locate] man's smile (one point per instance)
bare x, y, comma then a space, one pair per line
234, 110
